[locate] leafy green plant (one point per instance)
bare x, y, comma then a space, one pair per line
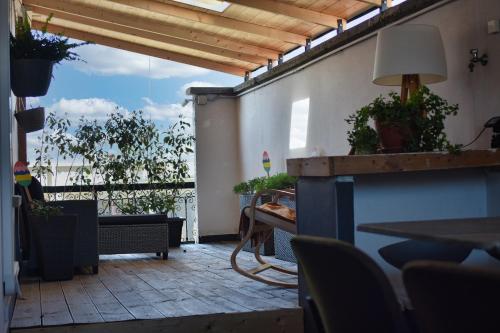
423, 115
275, 182
242, 188
119, 152
41, 45
40, 208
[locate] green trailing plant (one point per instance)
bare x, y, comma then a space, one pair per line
28, 44
40, 208
422, 116
275, 182
250, 186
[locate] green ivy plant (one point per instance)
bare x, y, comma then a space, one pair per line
423, 114
27, 44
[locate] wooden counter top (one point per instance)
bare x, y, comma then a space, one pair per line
329, 166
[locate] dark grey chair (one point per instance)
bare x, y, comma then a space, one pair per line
451, 298
351, 292
399, 254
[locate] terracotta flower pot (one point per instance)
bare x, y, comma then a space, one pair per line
393, 137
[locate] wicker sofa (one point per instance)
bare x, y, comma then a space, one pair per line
133, 234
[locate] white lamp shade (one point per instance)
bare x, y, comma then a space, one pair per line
409, 49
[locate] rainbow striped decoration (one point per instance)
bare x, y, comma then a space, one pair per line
266, 162
22, 174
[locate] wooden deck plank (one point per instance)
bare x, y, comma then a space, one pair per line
108, 306
126, 288
28, 311
80, 305
55, 310
289, 321
198, 281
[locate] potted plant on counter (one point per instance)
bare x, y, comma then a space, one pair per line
33, 55
246, 191
55, 235
414, 126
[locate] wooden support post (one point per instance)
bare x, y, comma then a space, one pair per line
21, 134
409, 85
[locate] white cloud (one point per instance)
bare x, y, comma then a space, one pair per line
32, 102
102, 60
91, 108
166, 114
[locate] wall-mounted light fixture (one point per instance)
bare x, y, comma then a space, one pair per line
483, 60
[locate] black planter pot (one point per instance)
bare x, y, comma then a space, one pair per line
55, 239
31, 120
30, 77
175, 231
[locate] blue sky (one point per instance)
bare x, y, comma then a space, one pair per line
111, 78
126, 78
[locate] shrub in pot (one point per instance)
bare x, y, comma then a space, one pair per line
414, 126
121, 152
33, 55
55, 236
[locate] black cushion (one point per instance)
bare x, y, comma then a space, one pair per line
132, 219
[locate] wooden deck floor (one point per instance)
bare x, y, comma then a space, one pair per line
195, 280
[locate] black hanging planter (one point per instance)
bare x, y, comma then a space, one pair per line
31, 120
30, 77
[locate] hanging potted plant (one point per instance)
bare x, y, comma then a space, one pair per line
55, 236
33, 54
414, 126
31, 120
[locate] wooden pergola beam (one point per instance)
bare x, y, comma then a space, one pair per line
138, 48
134, 21
292, 11
149, 35
215, 20
377, 3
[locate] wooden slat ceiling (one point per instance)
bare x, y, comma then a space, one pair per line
236, 41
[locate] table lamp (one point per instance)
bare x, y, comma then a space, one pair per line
409, 55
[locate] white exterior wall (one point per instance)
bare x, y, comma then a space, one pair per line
217, 166
340, 84
7, 136
336, 86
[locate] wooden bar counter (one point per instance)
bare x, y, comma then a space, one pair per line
337, 193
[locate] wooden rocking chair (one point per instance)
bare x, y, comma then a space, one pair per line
261, 222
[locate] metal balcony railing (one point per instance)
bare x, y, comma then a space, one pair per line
185, 202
